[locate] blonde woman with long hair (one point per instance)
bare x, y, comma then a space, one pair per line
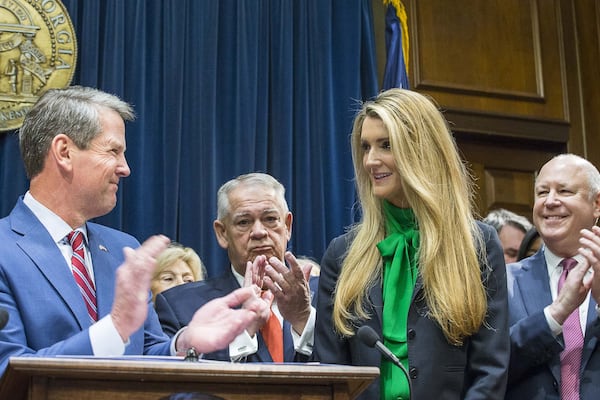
418, 268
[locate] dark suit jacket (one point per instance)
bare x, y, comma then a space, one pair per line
47, 315
535, 353
438, 370
176, 306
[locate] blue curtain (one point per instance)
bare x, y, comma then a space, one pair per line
223, 88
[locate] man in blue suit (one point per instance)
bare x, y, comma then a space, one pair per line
254, 225
555, 349
73, 146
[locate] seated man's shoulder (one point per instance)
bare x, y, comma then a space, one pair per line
204, 291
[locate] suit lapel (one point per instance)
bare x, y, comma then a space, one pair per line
536, 296
533, 284
417, 288
590, 340
289, 353
44, 254
376, 297
262, 354
231, 283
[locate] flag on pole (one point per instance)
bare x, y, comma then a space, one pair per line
396, 43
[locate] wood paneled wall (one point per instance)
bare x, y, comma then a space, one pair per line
519, 81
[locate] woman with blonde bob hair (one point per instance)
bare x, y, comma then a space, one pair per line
418, 268
176, 265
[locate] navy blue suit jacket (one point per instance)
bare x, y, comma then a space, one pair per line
535, 353
438, 370
176, 306
47, 315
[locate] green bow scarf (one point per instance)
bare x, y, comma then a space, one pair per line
399, 251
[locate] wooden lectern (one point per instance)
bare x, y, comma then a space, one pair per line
89, 378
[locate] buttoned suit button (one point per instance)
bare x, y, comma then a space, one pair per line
413, 373
411, 334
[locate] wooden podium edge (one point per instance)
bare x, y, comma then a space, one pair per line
14, 384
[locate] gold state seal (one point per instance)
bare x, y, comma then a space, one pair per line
38, 51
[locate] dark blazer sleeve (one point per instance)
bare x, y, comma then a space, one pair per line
329, 347
532, 345
476, 370
176, 306
166, 314
535, 351
489, 349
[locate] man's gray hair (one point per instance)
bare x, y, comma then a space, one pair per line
501, 217
252, 179
73, 111
593, 174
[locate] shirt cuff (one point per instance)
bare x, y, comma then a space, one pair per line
105, 339
242, 346
173, 347
555, 327
304, 343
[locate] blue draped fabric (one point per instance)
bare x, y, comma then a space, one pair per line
395, 73
223, 88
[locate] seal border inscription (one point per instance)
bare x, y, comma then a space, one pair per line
38, 53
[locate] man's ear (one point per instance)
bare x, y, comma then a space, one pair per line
60, 150
288, 223
597, 207
221, 234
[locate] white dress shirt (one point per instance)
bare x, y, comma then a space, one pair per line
244, 345
104, 337
555, 270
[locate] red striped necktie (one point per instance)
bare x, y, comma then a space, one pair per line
86, 286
